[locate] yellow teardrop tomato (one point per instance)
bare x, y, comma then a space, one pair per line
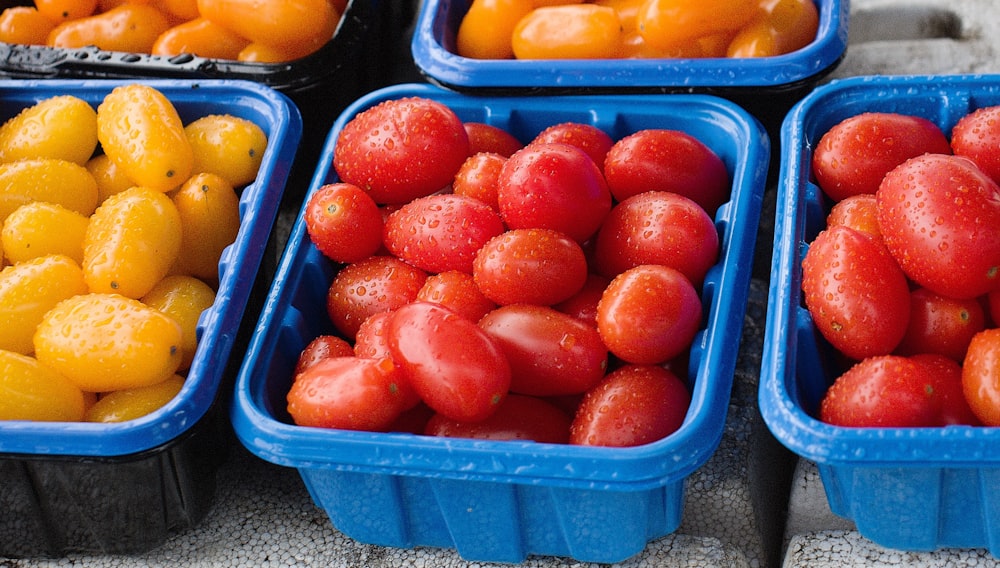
131, 28
63, 127
24, 25
46, 179
30, 289
41, 228
227, 145
573, 31
131, 242
183, 298
31, 391
129, 404
140, 130
110, 178
107, 342
209, 210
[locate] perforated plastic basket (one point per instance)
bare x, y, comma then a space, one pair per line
124, 487
906, 488
500, 501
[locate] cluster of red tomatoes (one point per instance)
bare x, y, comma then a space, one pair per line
494, 289
905, 279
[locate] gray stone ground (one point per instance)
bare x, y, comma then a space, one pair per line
751, 505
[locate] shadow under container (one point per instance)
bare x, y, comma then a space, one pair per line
916, 489
767, 86
503, 501
125, 488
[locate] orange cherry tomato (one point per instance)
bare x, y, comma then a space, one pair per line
129, 27
781, 26
573, 31
294, 25
60, 11
628, 11
24, 25
200, 37
486, 29
666, 23
182, 10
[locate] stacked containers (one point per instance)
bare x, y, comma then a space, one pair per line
125, 487
501, 501
907, 488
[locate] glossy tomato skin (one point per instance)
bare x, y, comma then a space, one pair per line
491, 139
667, 160
981, 376
649, 314
553, 186
343, 222
859, 212
940, 218
657, 227
977, 137
453, 365
351, 393
592, 140
948, 386
942, 325
583, 304
519, 417
458, 291
550, 353
534, 266
854, 155
883, 391
401, 149
371, 340
320, 348
857, 295
441, 232
478, 176
633, 405
375, 284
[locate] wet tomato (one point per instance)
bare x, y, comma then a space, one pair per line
883, 391
518, 417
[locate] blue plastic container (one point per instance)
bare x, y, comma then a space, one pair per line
907, 488
434, 53
124, 487
501, 501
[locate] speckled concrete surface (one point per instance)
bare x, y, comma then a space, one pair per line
751, 505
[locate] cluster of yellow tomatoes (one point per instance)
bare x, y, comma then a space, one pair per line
264, 31
113, 221
608, 29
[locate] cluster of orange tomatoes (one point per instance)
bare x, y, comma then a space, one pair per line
265, 31
606, 29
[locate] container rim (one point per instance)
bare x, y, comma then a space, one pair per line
786, 348
240, 262
407, 454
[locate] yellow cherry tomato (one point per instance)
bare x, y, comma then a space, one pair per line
24, 25
200, 37
46, 179
485, 30
131, 242
107, 342
780, 26
33, 391
30, 289
132, 403
667, 23
299, 26
573, 31
227, 145
183, 298
64, 10
130, 28
110, 178
209, 210
40, 228
140, 130
63, 127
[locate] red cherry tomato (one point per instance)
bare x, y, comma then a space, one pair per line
857, 295
854, 155
441, 232
488, 138
981, 376
977, 137
553, 186
457, 291
371, 341
535, 266
667, 160
649, 314
657, 227
401, 149
550, 353
455, 367
518, 417
633, 405
320, 348
477, 178
347, 392
942, 325
583, 304
587, 137
343, 222
883, 391
947, 244
859, 212
375, 284
948, 386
